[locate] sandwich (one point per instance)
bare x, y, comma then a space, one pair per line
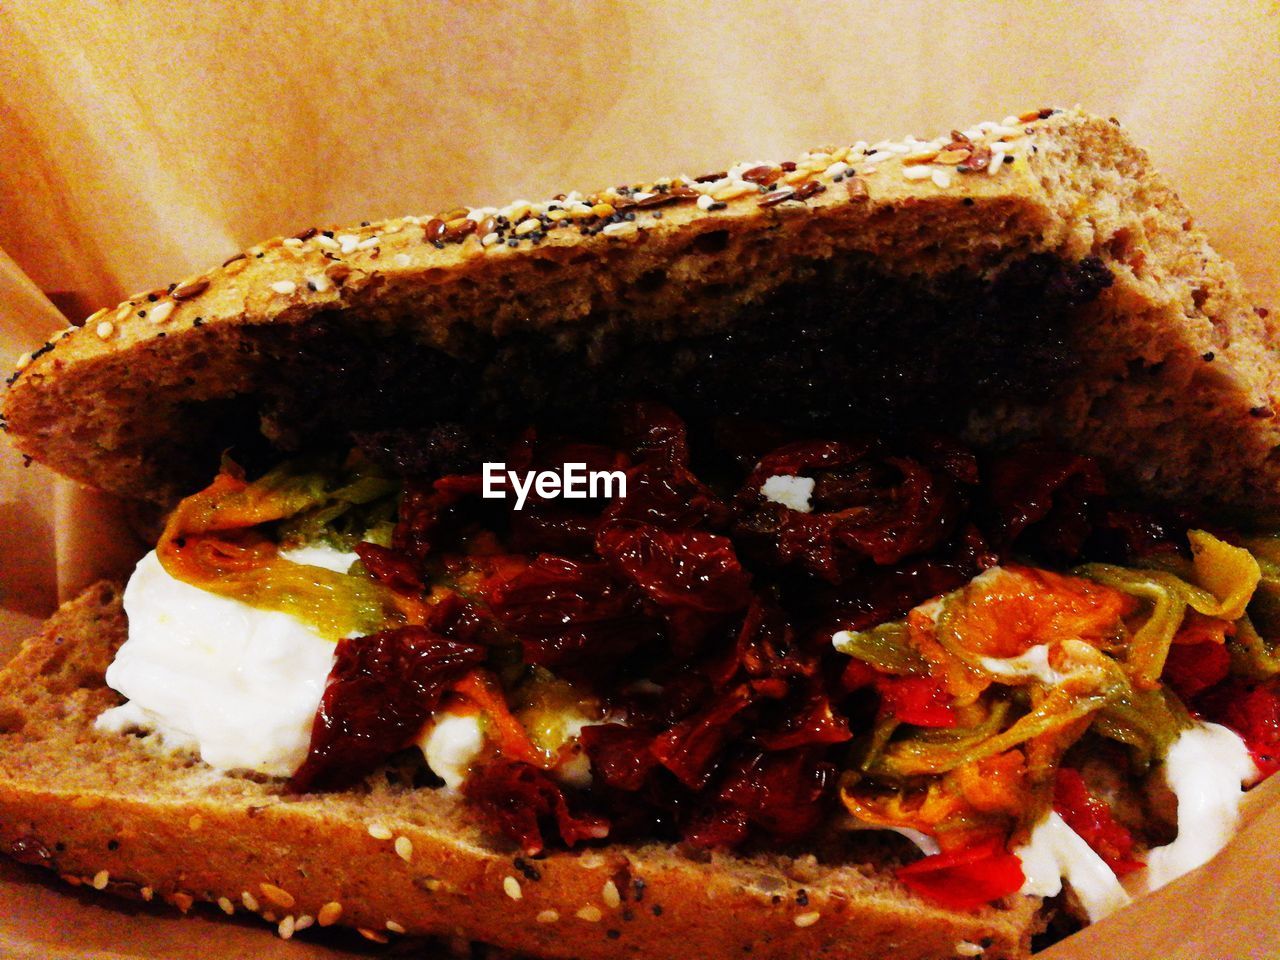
863, 556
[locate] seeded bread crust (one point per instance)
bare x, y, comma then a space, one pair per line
111, 812
1173, 392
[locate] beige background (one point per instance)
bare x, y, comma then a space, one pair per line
144, 141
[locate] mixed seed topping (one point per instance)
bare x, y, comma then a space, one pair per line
617, 212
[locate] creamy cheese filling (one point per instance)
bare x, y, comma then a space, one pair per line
239, 686
214, 676
793, 493
1206, 768
1033, 663
1054, 853
451, 743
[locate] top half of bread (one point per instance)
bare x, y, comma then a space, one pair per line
1037, 277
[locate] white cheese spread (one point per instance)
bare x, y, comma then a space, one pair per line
1205, 768
450, 742
1055, 853
792, 492
236, 684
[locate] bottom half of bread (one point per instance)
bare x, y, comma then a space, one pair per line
111, 811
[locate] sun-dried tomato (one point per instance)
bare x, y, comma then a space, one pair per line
1092, 819
782, 794
426, 515
653, 433
549, 528
812, 723
867, 508
381, 690
572, 614
667, 496
766, 647
1041, 501
692, 578
620, 755
966, 879
691, 749
391, 568
525, 805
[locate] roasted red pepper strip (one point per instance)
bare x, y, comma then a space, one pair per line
965, 879
1252, 711
1192, 668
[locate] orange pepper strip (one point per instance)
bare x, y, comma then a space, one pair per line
482, 689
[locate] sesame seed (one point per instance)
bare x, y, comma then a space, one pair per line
293, 242
590, 914
403, 260
303, 922
226, 906
249, 900
320, 283
511, 887
489, 239
348, 242
123, 310
404, 848
328, 242
101, 879
612, 899
379, 831
705, 201
162, 312
147, 893
528, 226
286, 928
281, 898
368, 244
807, 919
966, 949
329, 913
548, 916
373, 935
618, 229
105, 329
285, 287
941, 178
733, 191
24, 361
394, 927
919, 172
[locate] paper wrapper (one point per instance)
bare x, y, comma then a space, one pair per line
145, 141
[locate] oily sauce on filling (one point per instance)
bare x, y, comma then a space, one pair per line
695, 616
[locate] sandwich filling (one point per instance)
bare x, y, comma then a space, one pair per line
763, 643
